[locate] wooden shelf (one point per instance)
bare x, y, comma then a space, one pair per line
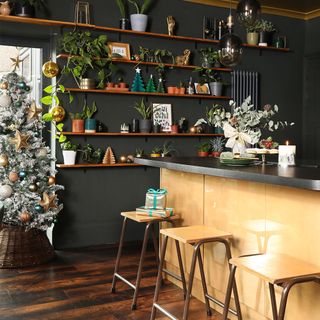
100, 165
188, 96
117, 134
155, 64
67, 24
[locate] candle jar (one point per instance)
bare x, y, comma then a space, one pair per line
287, 155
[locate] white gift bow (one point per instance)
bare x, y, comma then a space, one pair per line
235, 136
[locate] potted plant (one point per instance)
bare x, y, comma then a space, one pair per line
217, 146
212, 78
122, 84
266, 31
175, 128
146, 114
77, 122
90, 124
209, 58
26, 8
139, 153
87, 52
181, 88
253, 33
156, 152
172, 90
69, 152
167, 149
204, 149
124, 22
139, 21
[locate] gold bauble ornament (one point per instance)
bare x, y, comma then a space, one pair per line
123, 159
33, 187
4, 85
58, 113
13, 176
51, 180
25, 217
4, 160
50, 69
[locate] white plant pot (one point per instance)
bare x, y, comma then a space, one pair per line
139, 22
69, 157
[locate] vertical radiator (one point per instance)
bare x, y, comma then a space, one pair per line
244, 84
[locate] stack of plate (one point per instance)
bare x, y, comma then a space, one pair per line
236, 162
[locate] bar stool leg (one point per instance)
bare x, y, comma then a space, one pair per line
190, 284
116, 269
204, 284
159, 278
183, 278
273, 302
155, 244
228, 293
140, 268
284, 299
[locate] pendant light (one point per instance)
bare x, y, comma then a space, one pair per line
248, 12
230, 51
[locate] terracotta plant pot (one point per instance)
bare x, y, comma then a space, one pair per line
122, 85
182, 90
78, 126
110, 85
176, 90
171, 90
175, 129
117, 85
215, 154
203, 154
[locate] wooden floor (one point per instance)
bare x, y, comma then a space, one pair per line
76, 285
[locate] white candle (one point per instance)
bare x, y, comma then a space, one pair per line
287, 155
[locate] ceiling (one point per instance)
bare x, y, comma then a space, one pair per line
300, 9
305, 6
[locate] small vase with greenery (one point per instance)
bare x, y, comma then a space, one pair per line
139, 20
69, 152
90, 124
156, 152
204, 149
168, 149
124, 21
77, 122
26, 8
146, 114
217, 146
266, 29
85, 53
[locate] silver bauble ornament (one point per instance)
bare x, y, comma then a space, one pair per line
33, 187
5, 192
41, 153
5, 100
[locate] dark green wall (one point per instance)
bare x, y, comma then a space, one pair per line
94, 198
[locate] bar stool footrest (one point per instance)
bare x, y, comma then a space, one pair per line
220, 304
173, 275
165, 312
125, 281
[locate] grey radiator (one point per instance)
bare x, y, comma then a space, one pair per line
244, 84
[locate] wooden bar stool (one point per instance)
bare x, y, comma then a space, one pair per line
195, 236
149, 221
276, 269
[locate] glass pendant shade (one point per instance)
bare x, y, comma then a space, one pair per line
248, 12
230, 51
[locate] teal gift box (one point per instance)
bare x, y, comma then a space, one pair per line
156, 199
163, 213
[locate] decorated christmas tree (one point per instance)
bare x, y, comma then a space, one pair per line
109, 157
138, 85
150, 85
160, 88
27, 181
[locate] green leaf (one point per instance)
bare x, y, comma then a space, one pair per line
47, 100
47, 117
60, 126
56, 100
48, 89
71, 98
62, 88
62, 138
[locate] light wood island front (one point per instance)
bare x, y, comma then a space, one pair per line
262, 217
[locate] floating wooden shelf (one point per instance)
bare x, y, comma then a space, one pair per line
188, 96
155, 64
67, 24
117, 134
100, 165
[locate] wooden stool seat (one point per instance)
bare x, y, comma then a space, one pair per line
275, 268
195, 234
132, 215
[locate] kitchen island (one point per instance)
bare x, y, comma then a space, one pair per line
265, 207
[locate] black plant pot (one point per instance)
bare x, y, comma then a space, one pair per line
209, 129
156, 128
266, 37
24, 10
145, 125
124, 24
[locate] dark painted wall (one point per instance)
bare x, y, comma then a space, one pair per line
94, 198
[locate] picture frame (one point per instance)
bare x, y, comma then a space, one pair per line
120, 48
202, 88
162, 115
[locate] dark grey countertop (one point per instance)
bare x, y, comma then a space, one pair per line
304, 177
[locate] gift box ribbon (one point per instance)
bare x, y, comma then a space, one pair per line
151, 212
156, 192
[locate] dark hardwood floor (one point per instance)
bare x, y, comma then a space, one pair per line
76, 285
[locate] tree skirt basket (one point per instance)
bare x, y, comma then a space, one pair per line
20, 248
